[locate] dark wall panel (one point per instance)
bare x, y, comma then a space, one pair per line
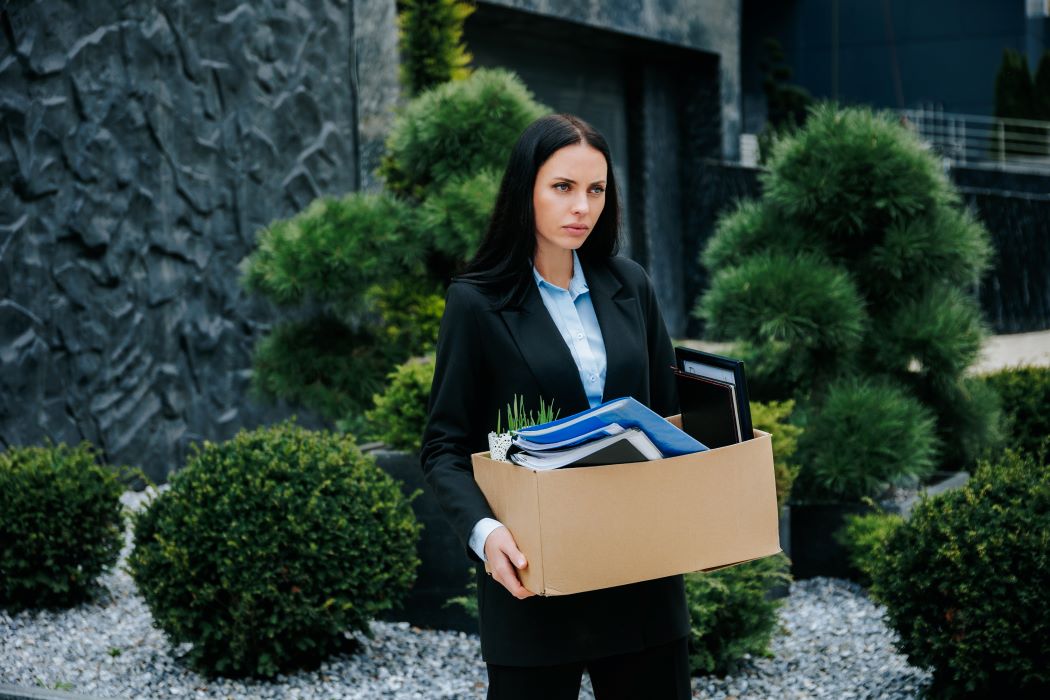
142, 146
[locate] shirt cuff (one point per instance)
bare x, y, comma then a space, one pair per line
480, 533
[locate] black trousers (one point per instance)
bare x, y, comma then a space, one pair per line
657, 673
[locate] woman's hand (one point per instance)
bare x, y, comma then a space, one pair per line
505, 559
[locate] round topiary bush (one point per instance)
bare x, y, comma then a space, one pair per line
731, 613
966, 582
61, 524
270, 546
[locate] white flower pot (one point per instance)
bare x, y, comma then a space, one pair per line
499, 443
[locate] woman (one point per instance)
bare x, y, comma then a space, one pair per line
547, 311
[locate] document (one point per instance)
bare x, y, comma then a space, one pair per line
630, 445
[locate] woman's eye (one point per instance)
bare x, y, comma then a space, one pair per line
597, 189
562, 187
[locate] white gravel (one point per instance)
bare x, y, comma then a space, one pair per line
833, 643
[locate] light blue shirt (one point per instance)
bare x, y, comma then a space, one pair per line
573, 313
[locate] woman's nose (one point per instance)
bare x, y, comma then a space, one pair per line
580, 206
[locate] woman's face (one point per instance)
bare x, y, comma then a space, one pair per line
569, 196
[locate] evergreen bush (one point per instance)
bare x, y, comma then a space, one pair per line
774, 418
269, 547
430, 35
865, 537
966, 582
858, 262
61, 525
731, 614
865, 435
365, 274
1025, 396
456, 130
400, 413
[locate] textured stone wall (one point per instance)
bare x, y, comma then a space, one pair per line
142, 146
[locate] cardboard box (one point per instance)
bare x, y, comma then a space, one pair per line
593, 527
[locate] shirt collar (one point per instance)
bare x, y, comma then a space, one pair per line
577, 285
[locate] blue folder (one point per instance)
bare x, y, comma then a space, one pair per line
626, 411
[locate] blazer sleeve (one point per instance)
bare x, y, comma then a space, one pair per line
663, 387
452, 415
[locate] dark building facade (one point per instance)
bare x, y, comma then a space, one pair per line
895, 54
145, 144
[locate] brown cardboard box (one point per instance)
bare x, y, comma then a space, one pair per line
593, 527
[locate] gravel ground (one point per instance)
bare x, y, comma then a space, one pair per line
834, 644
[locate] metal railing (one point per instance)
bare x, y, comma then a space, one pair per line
971, 138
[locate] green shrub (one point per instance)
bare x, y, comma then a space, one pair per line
730, 613
858, 261
270, 546
456, 130
61, 525
1025, 397
865, 537
966, 582
322, 363
400, 412
430, 34
806, 304
333, 251
455, 217
866, 434
366, 273
773, 418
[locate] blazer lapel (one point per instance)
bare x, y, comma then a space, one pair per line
616, 314
540, 342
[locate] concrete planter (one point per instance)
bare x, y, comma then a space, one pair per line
815, 552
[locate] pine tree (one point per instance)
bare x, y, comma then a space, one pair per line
365, 274
848, 284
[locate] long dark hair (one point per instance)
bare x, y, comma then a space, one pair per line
503, 261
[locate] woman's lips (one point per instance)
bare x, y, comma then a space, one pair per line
577, 229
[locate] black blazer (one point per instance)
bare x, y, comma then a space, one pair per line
484, 357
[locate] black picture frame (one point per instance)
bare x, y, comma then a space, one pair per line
719, 368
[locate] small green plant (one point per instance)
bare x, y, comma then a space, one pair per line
865, 537
732, 614
61, 524
518, 419
966, 582
468, 601
267, 548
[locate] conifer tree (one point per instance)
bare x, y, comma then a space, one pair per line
849, 286
363, 276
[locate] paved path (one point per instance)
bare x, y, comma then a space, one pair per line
999, 351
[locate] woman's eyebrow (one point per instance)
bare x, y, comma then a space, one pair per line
571, 181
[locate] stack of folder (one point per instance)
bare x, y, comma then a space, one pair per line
712, 391
616, 432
